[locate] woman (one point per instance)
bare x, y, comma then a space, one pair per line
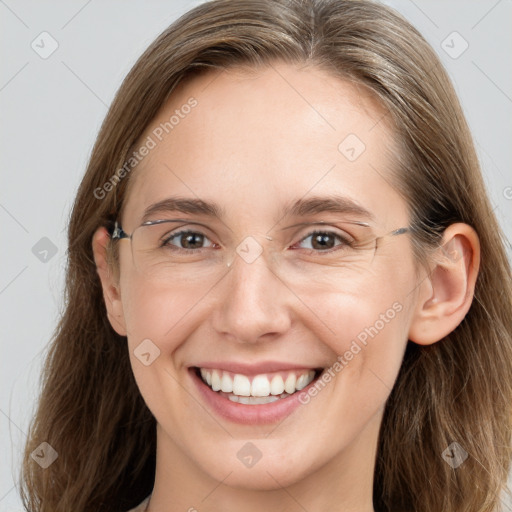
339, 338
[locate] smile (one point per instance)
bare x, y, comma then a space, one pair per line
253, 398
259, 389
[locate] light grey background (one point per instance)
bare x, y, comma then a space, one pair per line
52, 109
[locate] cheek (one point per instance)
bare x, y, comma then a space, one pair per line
158, 313
368, 326
369, 342
157, 320
367, 332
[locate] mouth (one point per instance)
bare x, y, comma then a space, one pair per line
264, 388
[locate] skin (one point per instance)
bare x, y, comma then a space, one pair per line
252, 158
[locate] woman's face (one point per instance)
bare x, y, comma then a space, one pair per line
255, 144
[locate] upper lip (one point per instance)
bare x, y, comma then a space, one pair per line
254, 368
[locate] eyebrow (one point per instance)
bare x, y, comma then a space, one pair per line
184, 205
299, 208
321, 204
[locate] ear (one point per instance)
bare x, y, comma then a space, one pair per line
109, 282
446, 294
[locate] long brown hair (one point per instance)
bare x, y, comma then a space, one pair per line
459, 389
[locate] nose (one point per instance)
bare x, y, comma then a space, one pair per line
252, 302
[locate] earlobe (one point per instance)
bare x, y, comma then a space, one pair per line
110, 285
446, 293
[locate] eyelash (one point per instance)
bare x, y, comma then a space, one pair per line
344, 241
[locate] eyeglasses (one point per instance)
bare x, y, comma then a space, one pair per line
337, 250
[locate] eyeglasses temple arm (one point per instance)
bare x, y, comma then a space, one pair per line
116, 232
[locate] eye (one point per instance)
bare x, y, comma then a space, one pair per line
324, 241
186, 240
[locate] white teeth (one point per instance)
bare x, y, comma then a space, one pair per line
261, 386
226, 384
215, 381
241, 385
289, 385
207, 376
301, 382
256, 400
277, 385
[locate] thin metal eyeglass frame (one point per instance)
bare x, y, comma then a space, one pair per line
119, 234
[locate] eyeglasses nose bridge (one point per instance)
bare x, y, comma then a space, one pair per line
249, 249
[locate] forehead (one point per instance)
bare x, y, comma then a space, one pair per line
253, 140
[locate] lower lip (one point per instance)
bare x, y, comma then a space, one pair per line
257, 414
